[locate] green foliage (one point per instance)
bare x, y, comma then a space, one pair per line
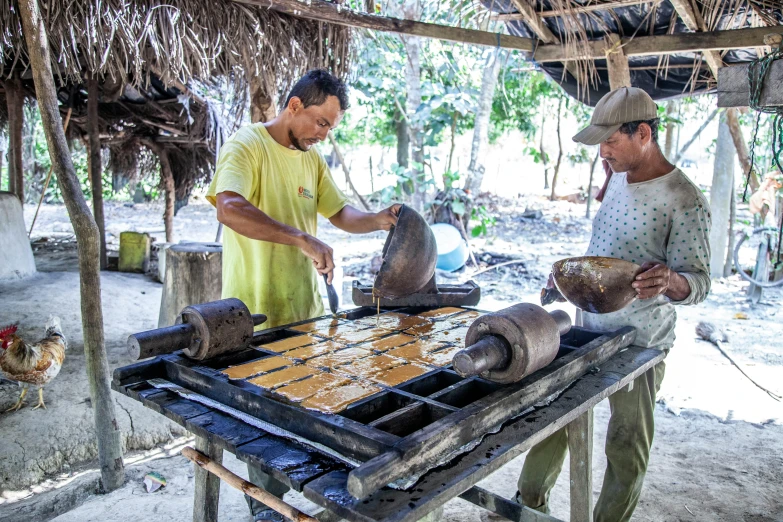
535, 153
582, 155
485, 219
519, 99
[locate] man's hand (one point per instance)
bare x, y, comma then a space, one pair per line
656, 279
387, 218
321, 254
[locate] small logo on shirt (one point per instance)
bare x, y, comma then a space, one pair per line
305, 193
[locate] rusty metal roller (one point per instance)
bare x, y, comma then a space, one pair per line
508, 345
202, 331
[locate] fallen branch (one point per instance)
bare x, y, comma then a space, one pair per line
505, 263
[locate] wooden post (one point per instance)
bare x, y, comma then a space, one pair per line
95, 166
15, 102
580, 447
193, 276
720, 194
106, 427
617, 63
169, 187
207, 495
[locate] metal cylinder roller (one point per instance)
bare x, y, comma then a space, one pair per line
202, 331
508, 345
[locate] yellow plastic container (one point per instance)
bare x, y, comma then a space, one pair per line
134, 252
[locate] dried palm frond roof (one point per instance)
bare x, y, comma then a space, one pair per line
577, 22
151, 55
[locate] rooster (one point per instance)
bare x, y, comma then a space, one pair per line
35, 364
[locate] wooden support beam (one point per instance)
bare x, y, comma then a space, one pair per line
206, 497
617, 63
527, 13
107, 429
15, 104
665, 44
95, 165
693, 20
579, 9
337, 14
734, 87
580, 449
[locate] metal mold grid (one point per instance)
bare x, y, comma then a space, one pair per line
366, 428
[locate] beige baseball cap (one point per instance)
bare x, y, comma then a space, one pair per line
619, 106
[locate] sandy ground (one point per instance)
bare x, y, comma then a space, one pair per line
718, 453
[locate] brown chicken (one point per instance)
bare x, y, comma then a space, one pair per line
32, 364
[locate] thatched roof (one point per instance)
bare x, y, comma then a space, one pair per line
575, 23
151, 55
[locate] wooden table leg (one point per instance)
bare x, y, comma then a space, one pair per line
207, 496
580, 448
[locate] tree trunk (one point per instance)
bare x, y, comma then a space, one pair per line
106, 426
412, 11
403, 138
451, 149
684, 148
262, 101
347, 172
95, 166
552, 195
720, 198
741, 146
193, 276
15, 101
2, 157
480, 130
668, 147
541, 151
732, 220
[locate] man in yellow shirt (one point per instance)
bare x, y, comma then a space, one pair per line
269, 187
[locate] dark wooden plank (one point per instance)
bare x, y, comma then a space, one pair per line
171, 405
504, 507
423, 449
289, 459
222, 429
206, 496
137, 372
444, 483
351, 438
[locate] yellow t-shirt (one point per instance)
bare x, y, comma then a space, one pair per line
289, 186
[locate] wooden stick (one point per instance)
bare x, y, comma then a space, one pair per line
337, 14
246, 487
48, 176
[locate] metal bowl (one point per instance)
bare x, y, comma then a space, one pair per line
409, 257
599, 285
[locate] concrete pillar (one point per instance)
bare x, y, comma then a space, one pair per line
16, 256
720, 197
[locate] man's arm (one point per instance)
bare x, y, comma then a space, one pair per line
357, 222
686, 279
241, 216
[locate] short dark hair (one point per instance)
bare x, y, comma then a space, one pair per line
315, 86
630, 128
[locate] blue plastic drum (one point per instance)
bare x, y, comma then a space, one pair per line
452, 249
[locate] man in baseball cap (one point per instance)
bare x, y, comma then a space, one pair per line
652, 215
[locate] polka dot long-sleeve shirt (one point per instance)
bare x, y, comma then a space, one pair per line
664, 220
